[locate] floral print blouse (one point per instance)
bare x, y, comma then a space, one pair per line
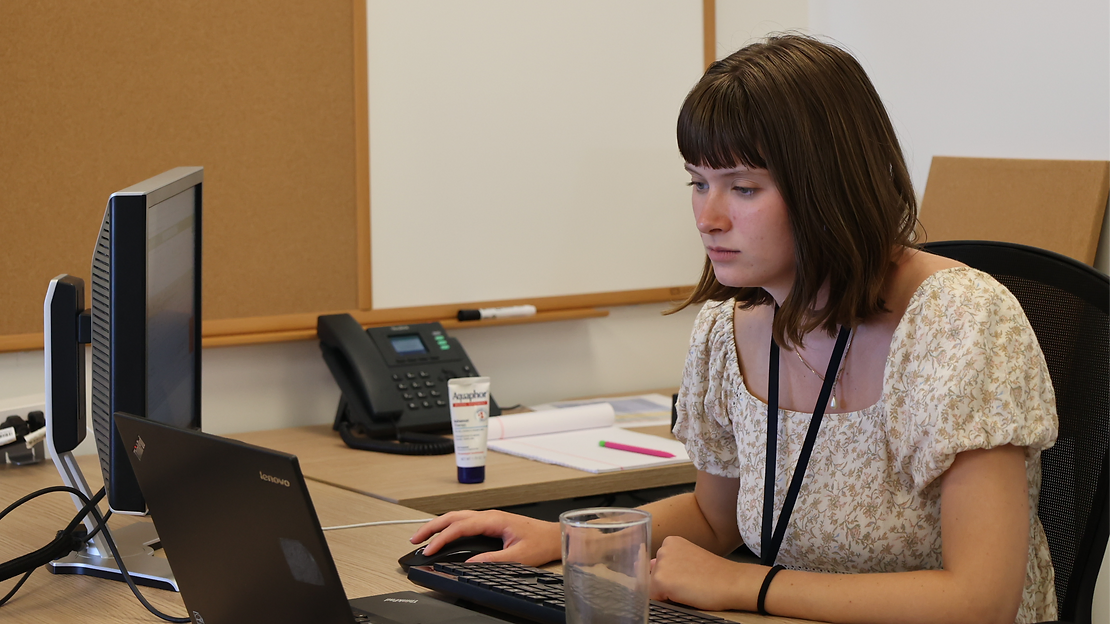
964, 372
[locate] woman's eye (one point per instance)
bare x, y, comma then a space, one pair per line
746, 191
699, 186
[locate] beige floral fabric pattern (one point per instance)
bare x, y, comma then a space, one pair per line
964, 372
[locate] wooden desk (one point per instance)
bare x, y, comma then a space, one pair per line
429, 483
366, 557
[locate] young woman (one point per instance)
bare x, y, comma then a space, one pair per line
918, 379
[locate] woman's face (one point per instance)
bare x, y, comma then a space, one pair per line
745, 228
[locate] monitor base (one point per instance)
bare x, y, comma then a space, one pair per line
135, 544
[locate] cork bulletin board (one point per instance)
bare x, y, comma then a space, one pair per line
99, 95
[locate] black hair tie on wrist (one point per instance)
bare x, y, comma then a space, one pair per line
763, 590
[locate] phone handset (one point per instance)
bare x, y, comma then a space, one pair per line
358, 368
367, 402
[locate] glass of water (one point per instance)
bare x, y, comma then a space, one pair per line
606, 565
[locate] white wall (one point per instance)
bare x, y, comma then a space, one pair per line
740, 22
987, 78
287, 384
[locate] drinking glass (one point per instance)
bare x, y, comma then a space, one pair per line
606, 565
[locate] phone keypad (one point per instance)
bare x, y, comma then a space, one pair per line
423, 389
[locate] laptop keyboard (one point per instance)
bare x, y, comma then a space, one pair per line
530, 593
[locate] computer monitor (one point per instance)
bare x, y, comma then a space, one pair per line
146, 314
144, 327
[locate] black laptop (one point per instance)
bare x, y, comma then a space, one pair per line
243, 540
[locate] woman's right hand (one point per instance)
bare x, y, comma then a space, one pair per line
526, 540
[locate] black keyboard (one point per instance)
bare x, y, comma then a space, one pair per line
526, 592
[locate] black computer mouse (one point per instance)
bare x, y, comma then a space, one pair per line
452, 552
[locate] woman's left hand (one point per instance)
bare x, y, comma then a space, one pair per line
688, 574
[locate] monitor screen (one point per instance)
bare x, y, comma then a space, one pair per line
170, 320
146, 318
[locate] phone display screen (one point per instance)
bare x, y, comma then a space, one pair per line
408, 344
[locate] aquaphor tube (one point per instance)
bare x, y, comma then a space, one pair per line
469, 401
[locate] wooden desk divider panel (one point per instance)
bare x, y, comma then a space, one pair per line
1057, 205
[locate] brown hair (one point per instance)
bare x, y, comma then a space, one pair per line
806, 111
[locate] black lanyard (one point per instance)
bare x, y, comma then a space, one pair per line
772, 540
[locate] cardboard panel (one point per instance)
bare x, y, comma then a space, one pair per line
1057, 205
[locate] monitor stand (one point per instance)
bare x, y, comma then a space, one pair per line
66, 330
136, 543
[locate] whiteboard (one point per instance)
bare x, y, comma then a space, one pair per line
527, 149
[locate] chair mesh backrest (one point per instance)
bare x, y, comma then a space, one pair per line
1073, 337
1057, 294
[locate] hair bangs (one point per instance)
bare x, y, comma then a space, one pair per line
715, 128
806, 111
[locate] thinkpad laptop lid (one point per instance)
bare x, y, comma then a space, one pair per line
242, 537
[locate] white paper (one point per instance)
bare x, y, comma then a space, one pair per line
551, 421
639, 410
581, 449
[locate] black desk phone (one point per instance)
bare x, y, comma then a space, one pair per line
394, 383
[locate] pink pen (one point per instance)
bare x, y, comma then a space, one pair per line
634, 449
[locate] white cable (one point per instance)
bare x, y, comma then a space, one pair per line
33, 438
381, 522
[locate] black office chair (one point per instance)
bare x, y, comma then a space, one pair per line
1067, 304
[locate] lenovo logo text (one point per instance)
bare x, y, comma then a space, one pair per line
273, 479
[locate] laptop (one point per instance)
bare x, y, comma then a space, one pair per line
241, 534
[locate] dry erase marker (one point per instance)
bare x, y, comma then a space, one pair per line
488, 313
634, 449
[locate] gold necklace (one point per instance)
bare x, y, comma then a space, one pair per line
833, 403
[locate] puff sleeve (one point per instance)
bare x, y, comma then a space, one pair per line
968, 373
703, 422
